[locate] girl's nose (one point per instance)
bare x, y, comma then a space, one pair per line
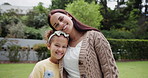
60, 49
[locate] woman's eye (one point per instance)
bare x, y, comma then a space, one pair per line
61, 18
56, 25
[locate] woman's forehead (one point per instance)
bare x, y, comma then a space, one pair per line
57, 14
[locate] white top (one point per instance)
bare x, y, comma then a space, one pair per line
71, 61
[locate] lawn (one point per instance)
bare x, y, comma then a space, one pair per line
138, 69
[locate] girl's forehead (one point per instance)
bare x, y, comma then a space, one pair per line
59, 37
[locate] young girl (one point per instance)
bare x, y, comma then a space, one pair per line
49, 68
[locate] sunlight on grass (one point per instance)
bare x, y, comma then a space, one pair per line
138, 69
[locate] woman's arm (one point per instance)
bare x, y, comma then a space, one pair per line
105, 56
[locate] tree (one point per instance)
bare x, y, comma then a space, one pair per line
16, 30
87, 13
61, 4
7, 18
37, 18
132, 22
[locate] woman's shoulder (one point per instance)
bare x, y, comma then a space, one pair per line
94, 33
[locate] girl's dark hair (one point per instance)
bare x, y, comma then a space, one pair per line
77, 24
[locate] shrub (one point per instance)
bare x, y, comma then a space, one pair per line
32, 33
13, 51
2, 42
42, 51
129, 49
118, 34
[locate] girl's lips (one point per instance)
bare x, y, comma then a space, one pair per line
59, 53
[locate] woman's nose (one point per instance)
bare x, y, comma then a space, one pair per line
61, 24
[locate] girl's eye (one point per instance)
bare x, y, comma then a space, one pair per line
57, 45
64, 46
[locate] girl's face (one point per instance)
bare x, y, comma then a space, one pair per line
62, 22
58, 47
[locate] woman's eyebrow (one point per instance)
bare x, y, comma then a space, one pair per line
59, 17
54, 24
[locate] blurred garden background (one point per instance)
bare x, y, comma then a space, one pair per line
22, 41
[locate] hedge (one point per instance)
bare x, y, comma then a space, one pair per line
129, 49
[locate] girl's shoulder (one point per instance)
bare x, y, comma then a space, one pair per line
42, 62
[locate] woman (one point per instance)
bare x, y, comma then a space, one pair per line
89, 54
49, 68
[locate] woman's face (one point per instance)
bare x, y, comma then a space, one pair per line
58, 47
61, 22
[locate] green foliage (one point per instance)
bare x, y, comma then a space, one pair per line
6, 19
26, 52
16, 30
32, 33
129, 18
37, 18
129, 49
42, 51
132, 22
118, 34
2, 42
112, 19
44, 29
142, 31
40, 8
87, 13
13, 53
60, 4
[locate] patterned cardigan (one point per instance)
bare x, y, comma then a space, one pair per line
95, 59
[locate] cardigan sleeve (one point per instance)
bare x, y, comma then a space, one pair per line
105, 56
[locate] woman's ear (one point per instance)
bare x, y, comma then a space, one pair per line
69, 16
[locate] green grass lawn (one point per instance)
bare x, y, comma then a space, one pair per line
138, 69
15, 70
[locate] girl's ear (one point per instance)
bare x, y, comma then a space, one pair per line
48, 46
